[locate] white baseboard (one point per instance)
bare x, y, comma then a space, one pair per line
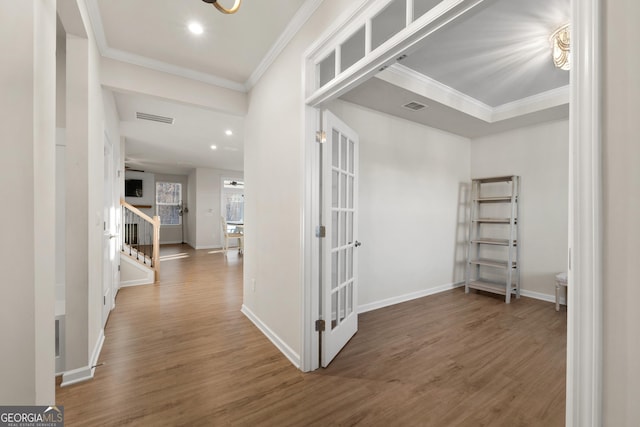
273, 337
137, 282
407, 297
542, 297
86, 372
172, 242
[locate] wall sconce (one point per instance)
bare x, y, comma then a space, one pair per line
561, 47
223, 9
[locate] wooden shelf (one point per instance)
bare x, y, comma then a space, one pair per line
495, 179
497, 242
504, 195
494, 287
494, 220
492, 263
499, 199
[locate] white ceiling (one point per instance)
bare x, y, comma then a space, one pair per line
228, 48
497, 53
182, 146
495, 60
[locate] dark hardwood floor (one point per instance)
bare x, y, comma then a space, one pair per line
181, 353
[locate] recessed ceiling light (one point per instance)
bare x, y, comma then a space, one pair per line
213, 147
195, 28
228, 132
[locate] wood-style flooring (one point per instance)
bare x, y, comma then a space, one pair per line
180, 353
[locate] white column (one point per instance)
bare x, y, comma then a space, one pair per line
27, 173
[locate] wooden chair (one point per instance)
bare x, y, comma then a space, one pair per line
226, 236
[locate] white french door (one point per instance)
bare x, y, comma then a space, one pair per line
339, 247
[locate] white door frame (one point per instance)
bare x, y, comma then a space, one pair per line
584, 331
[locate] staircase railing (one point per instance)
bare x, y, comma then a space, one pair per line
140, 236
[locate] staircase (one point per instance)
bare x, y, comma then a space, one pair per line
140, 239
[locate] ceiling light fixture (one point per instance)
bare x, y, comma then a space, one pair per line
195, 28
233, 9
213, 147
228, 132
561, 47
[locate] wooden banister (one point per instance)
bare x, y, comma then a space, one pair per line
139, 212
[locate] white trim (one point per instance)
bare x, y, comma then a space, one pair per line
299, 19
443, 288
386, 54
531, 104
273, 337
86, 372
407, 297
542, 297
210, 247
188, 73
95, 18
413, 81
119, 55
137, 282
339, 25
584, 322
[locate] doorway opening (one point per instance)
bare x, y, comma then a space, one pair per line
327, 80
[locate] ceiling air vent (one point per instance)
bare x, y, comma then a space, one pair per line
154, 118
415, 106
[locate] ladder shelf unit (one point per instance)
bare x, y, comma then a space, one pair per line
493, 261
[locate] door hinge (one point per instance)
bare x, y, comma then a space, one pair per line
118, 267
321, 231
321, 136
320, 325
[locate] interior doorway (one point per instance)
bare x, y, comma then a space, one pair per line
584, 338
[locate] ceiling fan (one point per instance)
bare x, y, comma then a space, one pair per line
232, 9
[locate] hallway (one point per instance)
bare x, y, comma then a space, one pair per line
181, 353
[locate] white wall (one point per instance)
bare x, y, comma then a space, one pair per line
540, 155
207, 209
273, 196
413, 186
621, 188
148, 192
27, 170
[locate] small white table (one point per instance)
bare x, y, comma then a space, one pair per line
561, 280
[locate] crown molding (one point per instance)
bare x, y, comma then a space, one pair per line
299, 19
188, 73
422, 85
96, 24
531, 104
